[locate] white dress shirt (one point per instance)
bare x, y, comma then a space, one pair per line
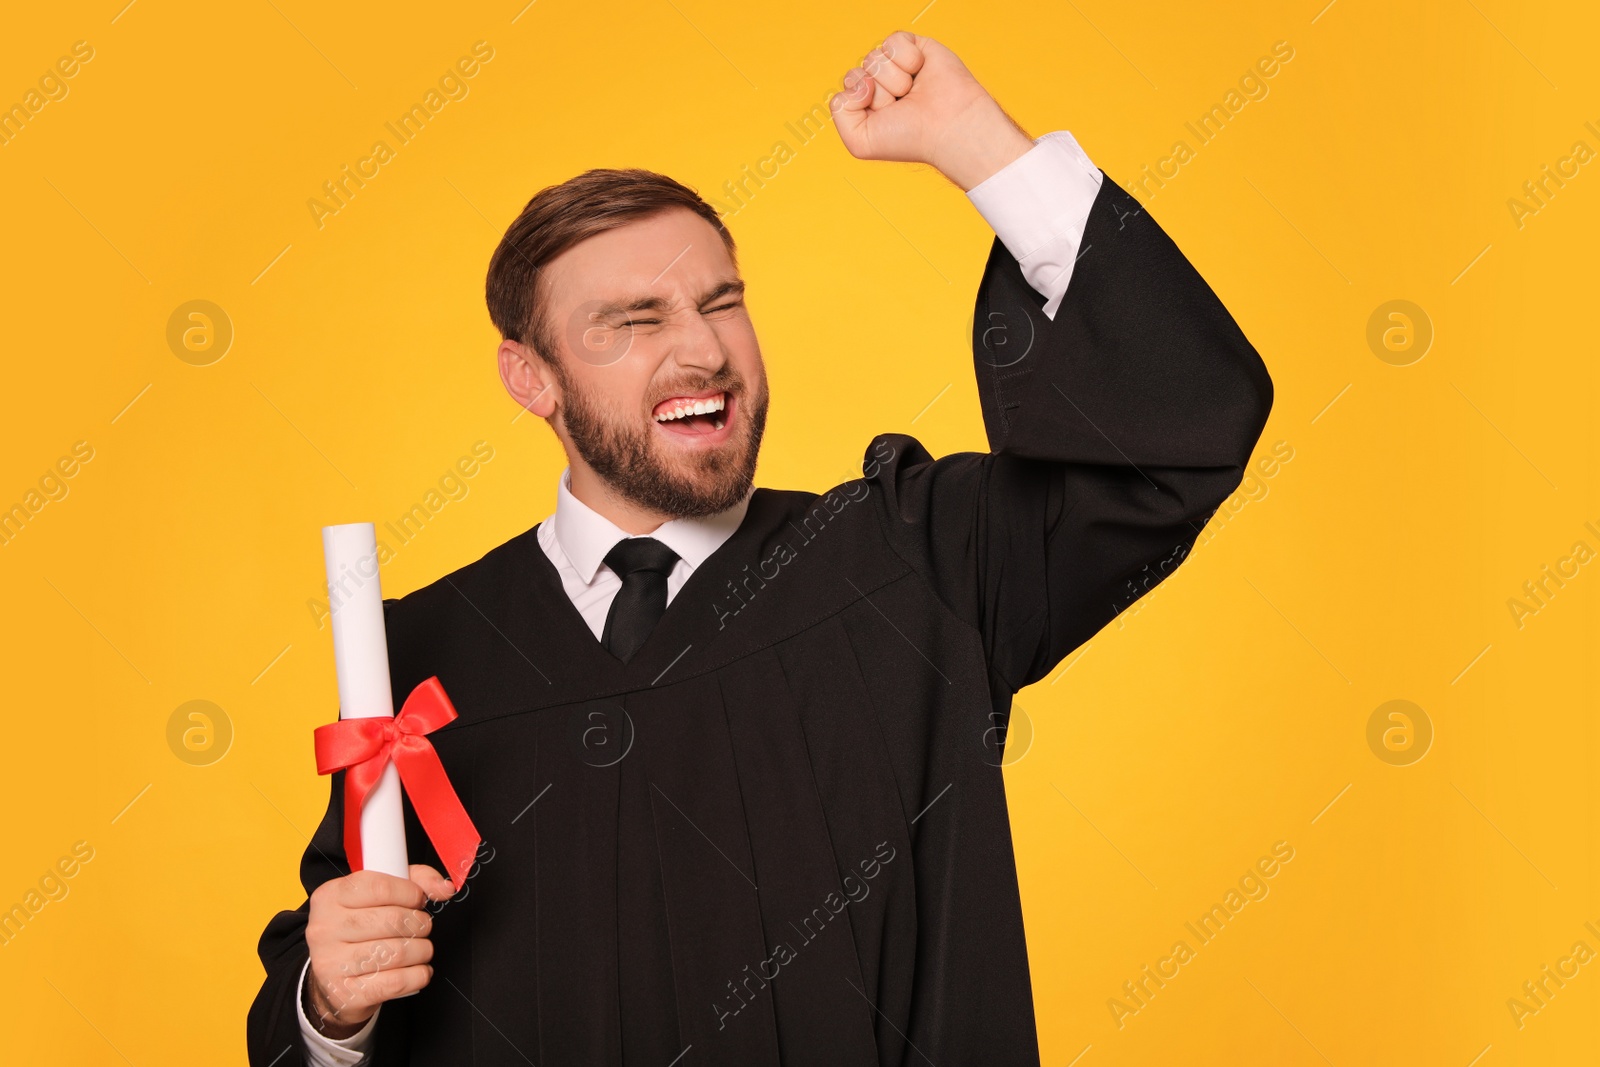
577, 539
1037, 205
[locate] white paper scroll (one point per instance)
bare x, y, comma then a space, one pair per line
361, 656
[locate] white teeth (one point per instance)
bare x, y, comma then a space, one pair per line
698, 407
718, 424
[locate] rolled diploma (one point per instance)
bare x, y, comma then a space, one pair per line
361, 657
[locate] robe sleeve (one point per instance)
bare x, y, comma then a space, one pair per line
274, 1022
1115, 431
272, 1029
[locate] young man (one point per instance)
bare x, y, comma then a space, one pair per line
734, 751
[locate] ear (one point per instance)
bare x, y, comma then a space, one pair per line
528, 379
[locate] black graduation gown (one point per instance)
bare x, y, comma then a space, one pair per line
779, 833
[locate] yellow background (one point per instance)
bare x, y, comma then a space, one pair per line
1228, 712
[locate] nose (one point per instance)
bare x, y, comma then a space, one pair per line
699, 347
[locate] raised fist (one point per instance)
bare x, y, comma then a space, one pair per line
913, 101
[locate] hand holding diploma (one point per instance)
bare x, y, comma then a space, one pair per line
368, 936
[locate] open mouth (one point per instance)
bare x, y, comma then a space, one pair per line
705, 415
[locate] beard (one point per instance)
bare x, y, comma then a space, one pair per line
636, 465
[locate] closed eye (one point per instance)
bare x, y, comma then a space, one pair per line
657, 322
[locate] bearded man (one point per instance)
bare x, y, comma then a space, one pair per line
735, 751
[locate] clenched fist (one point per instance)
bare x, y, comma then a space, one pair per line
913, 101
368, 936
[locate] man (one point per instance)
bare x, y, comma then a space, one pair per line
735, 751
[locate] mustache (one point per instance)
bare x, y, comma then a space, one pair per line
726, 380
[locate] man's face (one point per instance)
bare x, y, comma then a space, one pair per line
650, 323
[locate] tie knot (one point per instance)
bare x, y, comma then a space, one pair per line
634, 554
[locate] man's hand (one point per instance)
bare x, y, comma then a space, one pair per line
369, 943
913, 101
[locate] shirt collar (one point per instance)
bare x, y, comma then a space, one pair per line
586, 536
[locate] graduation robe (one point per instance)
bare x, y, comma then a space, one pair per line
778, 835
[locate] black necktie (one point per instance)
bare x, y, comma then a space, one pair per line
643, 564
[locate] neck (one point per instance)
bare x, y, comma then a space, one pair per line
593, 491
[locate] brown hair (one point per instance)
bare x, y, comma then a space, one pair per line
558, 218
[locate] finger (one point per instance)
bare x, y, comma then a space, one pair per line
890, 76
364, 991
384, 954
905, 51
881, 97
856, 95
436, 885
370, 924
850, 110
371, 889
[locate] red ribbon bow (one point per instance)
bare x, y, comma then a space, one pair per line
362, 748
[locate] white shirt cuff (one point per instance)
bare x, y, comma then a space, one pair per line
324, 1051
1038, 205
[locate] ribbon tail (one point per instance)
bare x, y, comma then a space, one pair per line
438, 808
353, 797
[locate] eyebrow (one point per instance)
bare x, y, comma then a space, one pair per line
732, 287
